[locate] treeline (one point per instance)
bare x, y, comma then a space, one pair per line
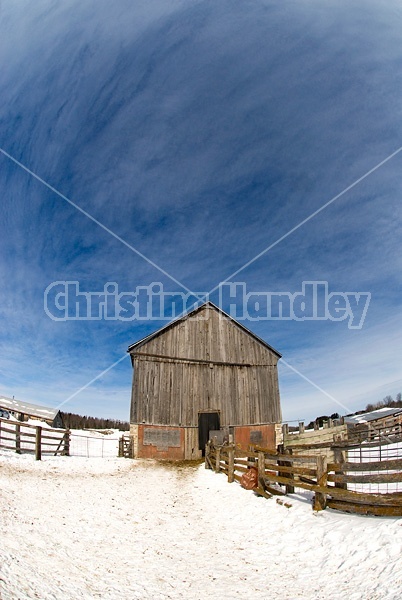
321, 420
387, 402
74, 421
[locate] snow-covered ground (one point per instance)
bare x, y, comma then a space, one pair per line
114, 528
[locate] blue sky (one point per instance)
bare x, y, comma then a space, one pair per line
200, 132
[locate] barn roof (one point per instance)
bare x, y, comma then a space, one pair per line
45, 412
193, 312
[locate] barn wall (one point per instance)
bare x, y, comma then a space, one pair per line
172, 393
209, 335
187, 440
238, 376
185, 449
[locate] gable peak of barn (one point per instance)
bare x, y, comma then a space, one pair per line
205, 306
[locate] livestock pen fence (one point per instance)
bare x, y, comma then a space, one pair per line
26, 438
345, 476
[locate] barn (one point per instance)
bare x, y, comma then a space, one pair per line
201, 372
23, 411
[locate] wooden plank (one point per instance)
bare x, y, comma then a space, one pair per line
175, 359
27, 426
8, 447
384, 440
13, 431
358, 497
365, 509
18, 439
320, 498
231, 465
296, 458
286, 469
274, 491
12, 439
262, 492
217, 459
339, 457
59, 450
241, 468
52, 445
370, 478
54, 437
261, 470
38, 444
66, 438
243, 462
383, 465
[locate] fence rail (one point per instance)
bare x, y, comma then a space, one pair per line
281, 473
32, 439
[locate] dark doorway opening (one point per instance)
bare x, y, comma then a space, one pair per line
207, 421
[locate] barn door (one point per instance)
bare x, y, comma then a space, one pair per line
207, 421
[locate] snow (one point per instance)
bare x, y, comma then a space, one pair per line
79, 528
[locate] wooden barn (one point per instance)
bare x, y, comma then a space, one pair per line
204, 371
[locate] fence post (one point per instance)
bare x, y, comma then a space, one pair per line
261, 470
207, 453
121, 447
66, 451
18, 439
131, 447
301, 427
290, 489
38, 443
319, 498
339, 458
218, 459
231, 464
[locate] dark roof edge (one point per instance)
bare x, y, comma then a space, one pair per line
193, 311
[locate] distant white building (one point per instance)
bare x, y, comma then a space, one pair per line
25, 410
378, 418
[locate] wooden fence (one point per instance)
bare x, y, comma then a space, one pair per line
31, 439
126, 448
281, 473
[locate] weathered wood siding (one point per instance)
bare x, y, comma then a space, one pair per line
236, 374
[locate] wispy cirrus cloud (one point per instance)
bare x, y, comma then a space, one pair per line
199, 132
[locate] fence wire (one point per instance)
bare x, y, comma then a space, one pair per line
101, 446
366, 453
